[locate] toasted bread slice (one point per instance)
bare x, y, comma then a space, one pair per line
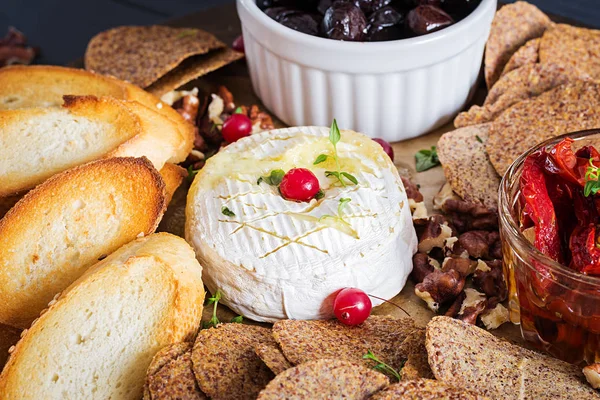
465, 356
172, 176
37, 143
45, 85
158, 142
97, 339
63, 226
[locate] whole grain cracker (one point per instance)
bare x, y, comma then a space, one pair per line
303, 341
425, 389
467, 166
142, 54
521, 84
567, 108
225, 364
273, 357
325, 379
527, 54
170, 375
513, 25
192, 68
417, 364
463, 355
571, 46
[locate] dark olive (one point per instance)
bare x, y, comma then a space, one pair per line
302, 22
305, 5
459, 8
294, 19
385, 24
278, 13
426, 19
324, 5
436, 3
344, 21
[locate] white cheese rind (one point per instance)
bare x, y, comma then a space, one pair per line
274, 259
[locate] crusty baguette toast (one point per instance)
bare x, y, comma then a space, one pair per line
44, 86
97, 339
172, 176
37, 143
63, 226
159, 141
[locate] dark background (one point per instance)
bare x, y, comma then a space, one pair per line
62, 28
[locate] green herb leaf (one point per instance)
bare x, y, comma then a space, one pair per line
334, 133
592, 182
191, 173
381, 366
320, 194
332, 173
320, 159
227, 211
478, 139
238, 320
214, 300
273, 179
342, 205
350, 177
426, 159
239, 110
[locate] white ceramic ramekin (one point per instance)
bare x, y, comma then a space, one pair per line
393, 90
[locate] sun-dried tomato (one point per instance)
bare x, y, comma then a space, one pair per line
540, 206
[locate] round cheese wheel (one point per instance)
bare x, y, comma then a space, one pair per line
272, 258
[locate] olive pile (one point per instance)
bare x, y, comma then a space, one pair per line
367, 20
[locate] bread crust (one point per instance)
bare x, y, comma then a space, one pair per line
45, 85
123, 310
63, 226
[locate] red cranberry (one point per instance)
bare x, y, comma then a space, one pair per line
386, 147
236, 127
238, 44
299, 184
352, 306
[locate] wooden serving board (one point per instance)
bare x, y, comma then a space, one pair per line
224, 23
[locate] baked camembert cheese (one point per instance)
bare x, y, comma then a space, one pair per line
272, 258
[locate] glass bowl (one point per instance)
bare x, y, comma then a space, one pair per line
558, 309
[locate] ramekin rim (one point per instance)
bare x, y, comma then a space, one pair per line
508, 223
328, 44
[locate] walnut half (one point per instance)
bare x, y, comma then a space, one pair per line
440, 287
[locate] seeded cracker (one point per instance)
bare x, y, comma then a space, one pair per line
273, 357
513, 25
571, 46
225, 364
303, 341
192, 68
417, 365
170, 375
467, 167
527, 54
142, 54
567, 108
463, 355
521, 84
425, 389
325, 379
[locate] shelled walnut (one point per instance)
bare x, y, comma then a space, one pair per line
440, 287
465, 241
